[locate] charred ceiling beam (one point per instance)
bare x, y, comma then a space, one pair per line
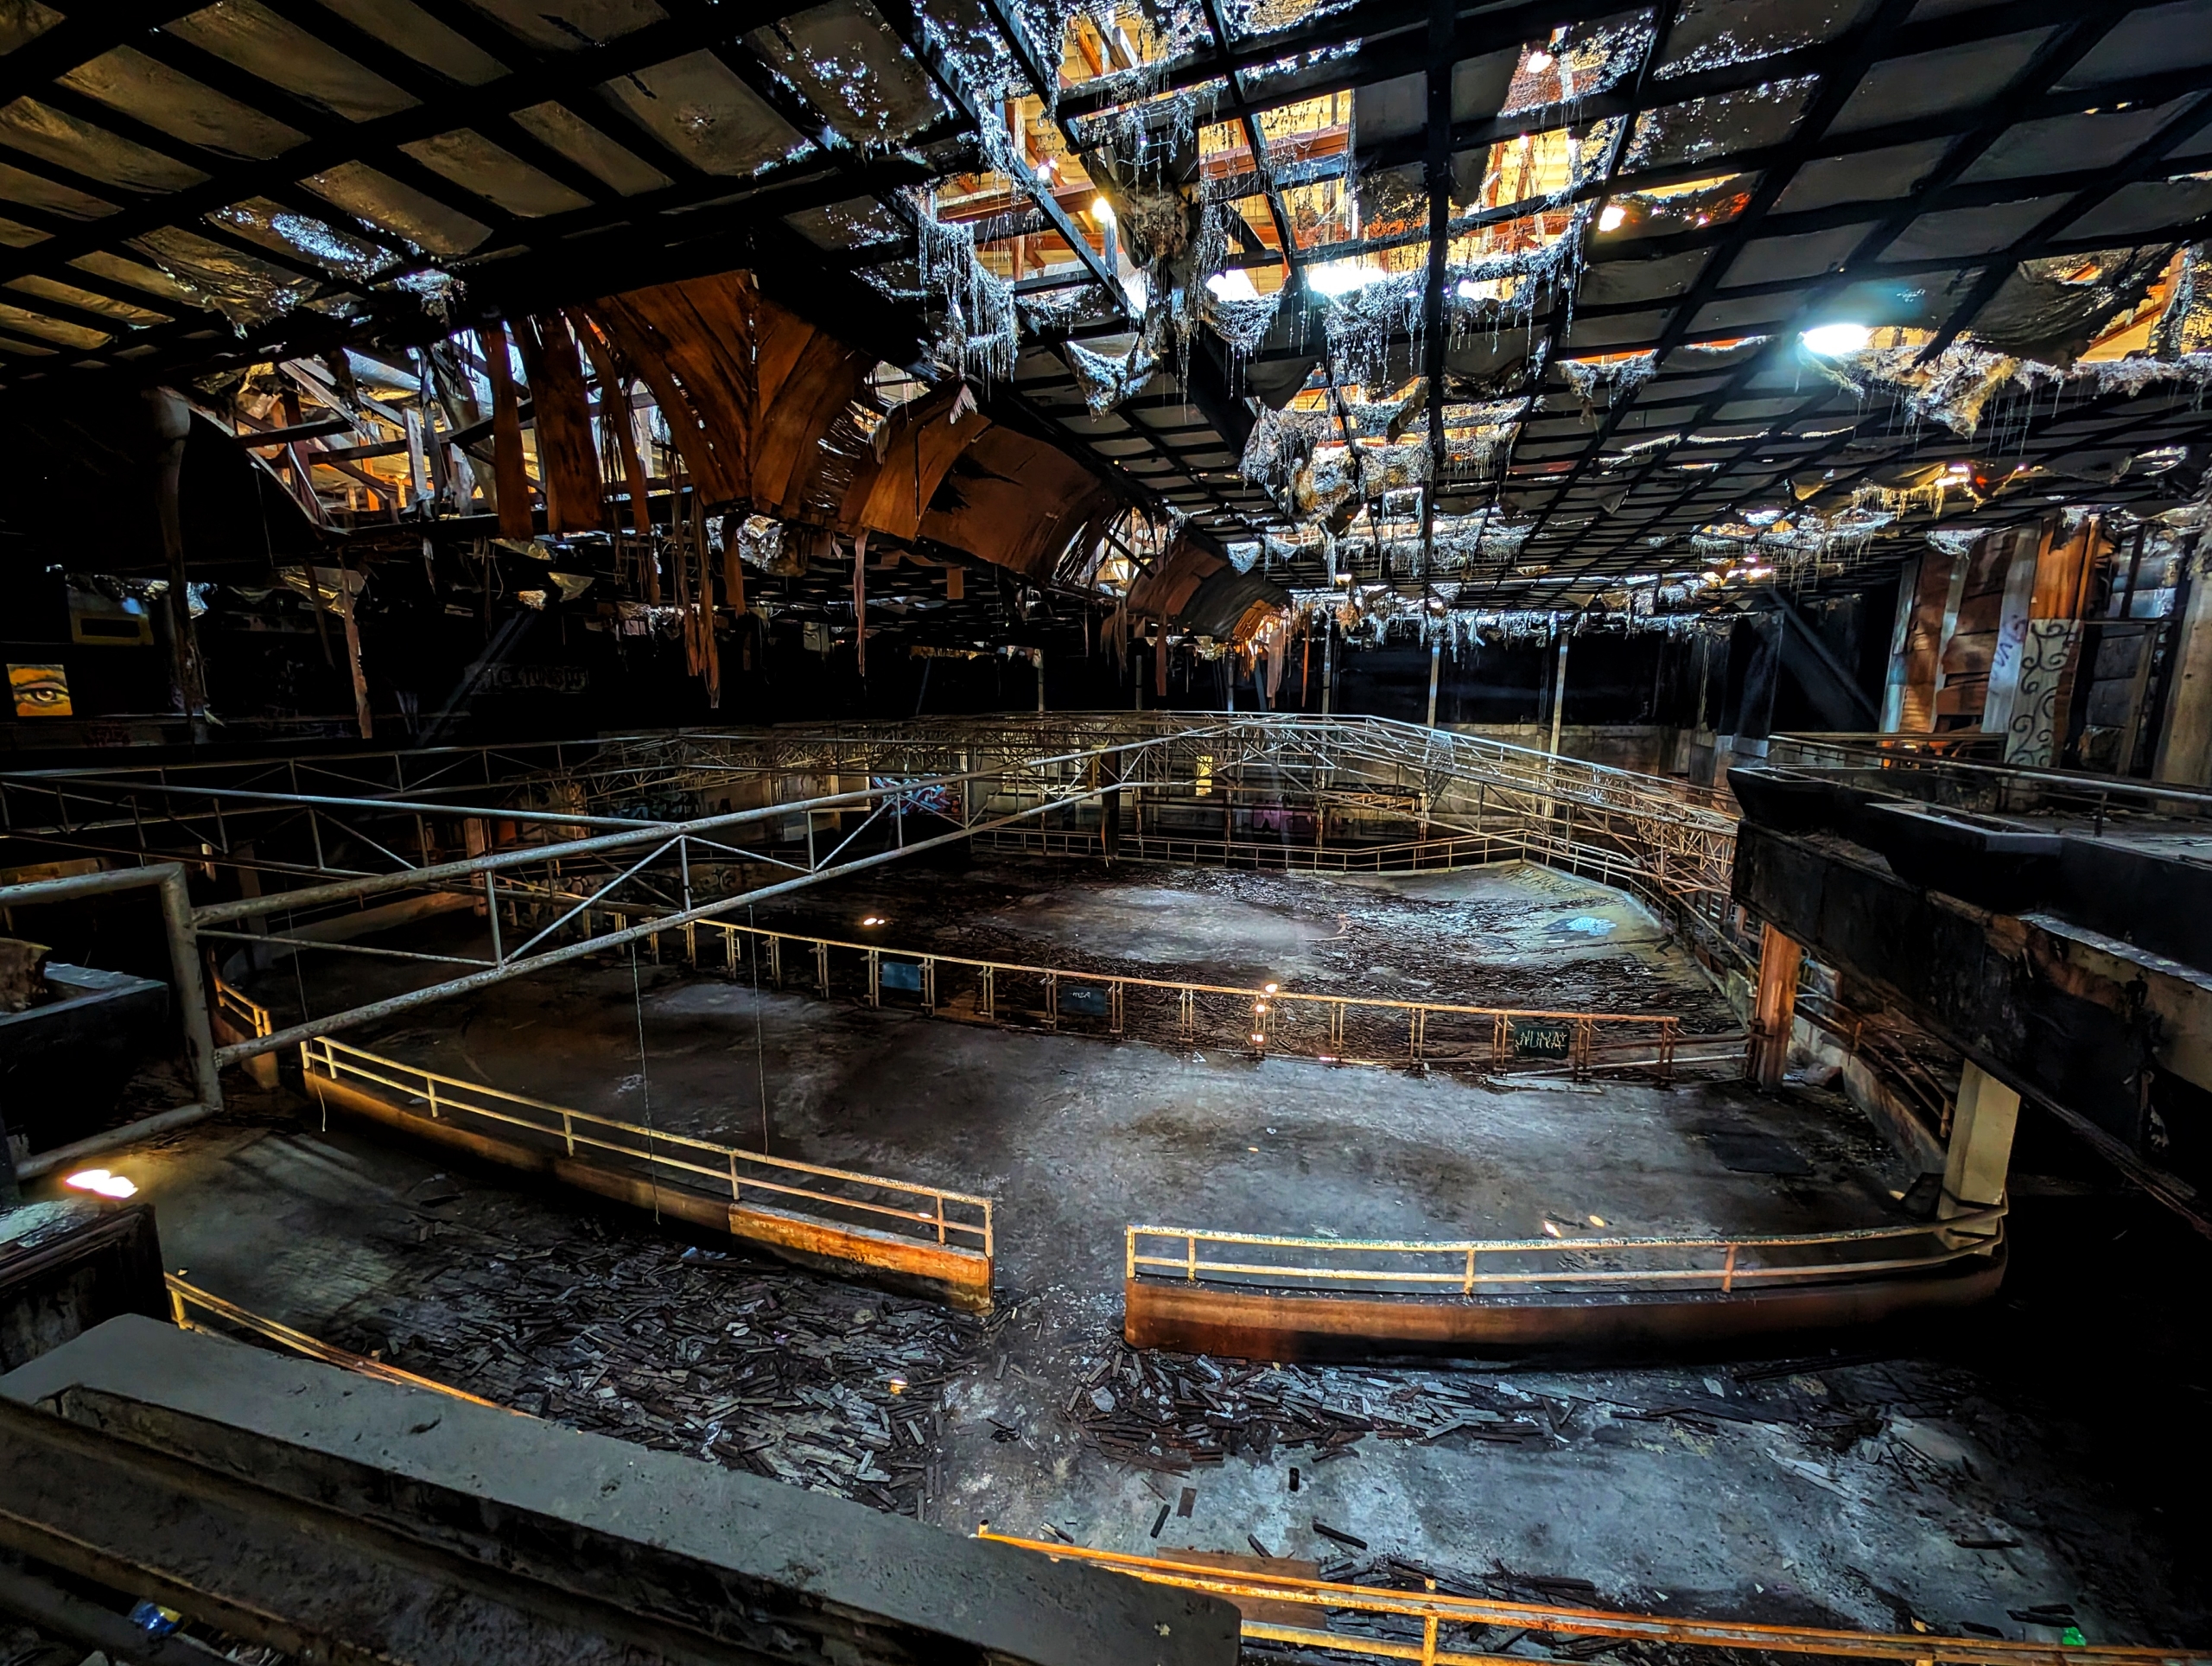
1854, 55
2144, 160
543, 79
2059, 52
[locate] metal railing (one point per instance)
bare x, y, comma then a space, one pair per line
235, 1004
185, 1298
1472, 1266
1331, 1028
955, 1220
1422, 1616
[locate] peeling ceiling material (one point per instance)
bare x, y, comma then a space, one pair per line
1705, 250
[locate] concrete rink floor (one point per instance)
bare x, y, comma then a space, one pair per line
1963, 1445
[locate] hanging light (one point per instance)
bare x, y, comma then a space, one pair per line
1832, 341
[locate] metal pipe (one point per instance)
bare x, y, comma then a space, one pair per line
468, 869
88, 1626
240, 1050
115, 1139
184, 951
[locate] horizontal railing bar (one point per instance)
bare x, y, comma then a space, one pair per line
598, 1121
1557, 1246
1756, 1636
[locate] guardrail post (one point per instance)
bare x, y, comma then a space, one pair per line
1428, 1633
929, 984
692, 944
940, 1217
732, 1179
729, 950
568, 1132
1667, 1050
874, 978
1468, 1287
1413, 1016
1191, 1258
1052, 1001
431, 1083
1114, 992
822, 966
1583, 1031
987, 999
1728, 1271
775, 962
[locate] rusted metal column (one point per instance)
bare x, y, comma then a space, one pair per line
1775, 1011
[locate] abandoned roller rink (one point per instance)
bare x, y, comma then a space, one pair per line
1105, 832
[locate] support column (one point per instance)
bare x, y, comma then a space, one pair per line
1559, 692
1328, 662
1435, 661
1981, 1143
2184, 739
1774, 1013
171, 420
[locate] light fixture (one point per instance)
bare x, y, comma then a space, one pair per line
1830, 340
1271, 987
1234, 284
100, 1181
1611, 217
1344, 578
1103, 211
1540, 61
1335, 277
875, 919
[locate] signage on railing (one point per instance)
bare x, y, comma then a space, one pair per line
1542, 1038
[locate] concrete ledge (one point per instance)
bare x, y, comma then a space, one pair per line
1258, 1324
959, 1277
344, 1518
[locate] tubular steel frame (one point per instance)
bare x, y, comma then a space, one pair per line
572, 811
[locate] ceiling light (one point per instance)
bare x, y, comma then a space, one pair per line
875, 919
1234, 284
1102, 210
1832, 339
100, 1181
1539, 61
1611, 217
1335, 277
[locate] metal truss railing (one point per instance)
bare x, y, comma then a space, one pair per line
1934, 766
1470, 1266
690, 822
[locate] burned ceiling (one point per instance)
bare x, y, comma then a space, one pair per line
1505, 306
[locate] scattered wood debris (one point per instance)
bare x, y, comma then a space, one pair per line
1171, 1412
798, 1377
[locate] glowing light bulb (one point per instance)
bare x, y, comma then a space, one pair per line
1234, 284
1611, 217
1831, 340
1540, 61
1103, 211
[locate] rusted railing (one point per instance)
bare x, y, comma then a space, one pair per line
1332, 1028
185, 1299
235, 1004
1422, 1617
1468, 1267
955, 1220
